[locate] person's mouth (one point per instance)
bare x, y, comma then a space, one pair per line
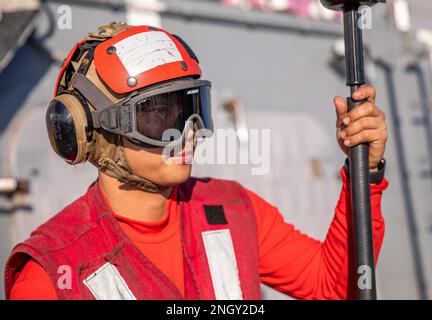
186, 156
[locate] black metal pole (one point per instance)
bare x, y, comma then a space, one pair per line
359, 164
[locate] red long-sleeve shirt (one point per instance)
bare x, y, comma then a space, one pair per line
290, 261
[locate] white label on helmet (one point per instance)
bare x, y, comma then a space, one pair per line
146, 50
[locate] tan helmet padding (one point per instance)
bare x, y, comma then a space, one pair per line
111, 159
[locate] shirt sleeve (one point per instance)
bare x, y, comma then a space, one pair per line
33, 283
303, 267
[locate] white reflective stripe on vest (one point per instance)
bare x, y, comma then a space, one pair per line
223, 264
106, 283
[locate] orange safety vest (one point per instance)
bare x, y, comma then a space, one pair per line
85, 243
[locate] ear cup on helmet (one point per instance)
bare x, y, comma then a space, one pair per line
70, 128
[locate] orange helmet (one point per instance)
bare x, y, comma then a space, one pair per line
123, 71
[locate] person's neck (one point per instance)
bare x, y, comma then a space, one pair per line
134, 203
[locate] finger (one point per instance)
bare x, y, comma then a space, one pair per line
365, 123
341, 109
366, 92
365, 136
366, 109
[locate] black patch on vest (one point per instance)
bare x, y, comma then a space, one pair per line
215, 214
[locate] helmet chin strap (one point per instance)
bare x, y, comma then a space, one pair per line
117, 167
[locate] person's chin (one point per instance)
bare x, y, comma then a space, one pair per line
177, 174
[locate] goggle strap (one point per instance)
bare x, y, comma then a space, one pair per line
89, 90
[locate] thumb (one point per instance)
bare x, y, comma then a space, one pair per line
341, 109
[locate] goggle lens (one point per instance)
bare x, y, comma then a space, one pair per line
156, 114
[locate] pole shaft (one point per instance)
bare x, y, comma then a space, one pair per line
359, 166
353, 48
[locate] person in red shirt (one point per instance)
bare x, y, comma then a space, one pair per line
189, 238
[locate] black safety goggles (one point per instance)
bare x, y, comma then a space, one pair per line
161, 115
